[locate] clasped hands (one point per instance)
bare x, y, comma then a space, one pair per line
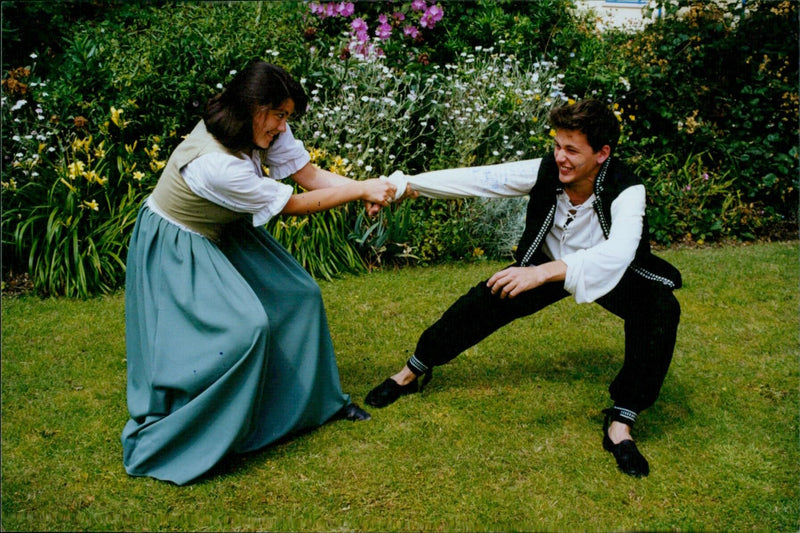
380, 192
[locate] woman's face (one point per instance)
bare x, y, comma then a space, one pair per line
269, 122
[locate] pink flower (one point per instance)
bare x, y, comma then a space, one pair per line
383, 19
362, 36
358, 25
419, 5
317, 9
399, 17
431, 16
345, 9
435, 12
411, 31
384, 31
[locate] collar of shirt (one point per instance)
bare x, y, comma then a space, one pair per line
574, 228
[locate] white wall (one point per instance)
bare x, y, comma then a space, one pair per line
616, 14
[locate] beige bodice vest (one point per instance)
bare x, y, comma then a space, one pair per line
176, 200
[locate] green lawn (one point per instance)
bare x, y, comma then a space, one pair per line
508, 437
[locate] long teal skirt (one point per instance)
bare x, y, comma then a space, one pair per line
228, 349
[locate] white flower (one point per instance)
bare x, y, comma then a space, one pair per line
18, 105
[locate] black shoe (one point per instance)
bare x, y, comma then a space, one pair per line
629, 460
389, 391
352, 412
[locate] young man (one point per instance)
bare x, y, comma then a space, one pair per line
585, 234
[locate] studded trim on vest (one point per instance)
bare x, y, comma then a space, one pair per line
603, 215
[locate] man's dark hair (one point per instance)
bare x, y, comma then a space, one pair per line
591, 117
229, 114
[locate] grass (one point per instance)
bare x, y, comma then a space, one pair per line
507, 437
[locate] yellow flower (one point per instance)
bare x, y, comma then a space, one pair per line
153, 151
91, 204
131, 147
116, 116
155, 166
68, 184
93, 177
81, 145
99, 151
75, 169
552, 133
138, 175
316, 154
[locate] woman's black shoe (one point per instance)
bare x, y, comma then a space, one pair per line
629, 460
389, 391
352, 412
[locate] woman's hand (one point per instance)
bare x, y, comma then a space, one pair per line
378, 191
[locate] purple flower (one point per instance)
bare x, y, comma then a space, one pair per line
362, 36
345, 9
411, 31
436, 12
317, 9
419, 5
705, 176
399, 17
383, 19
358, 25
384, 31
433, 15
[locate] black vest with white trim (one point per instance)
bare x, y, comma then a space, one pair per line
614, 177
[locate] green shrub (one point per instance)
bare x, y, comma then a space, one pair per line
691, 202
721, 79
712, 91
70, 199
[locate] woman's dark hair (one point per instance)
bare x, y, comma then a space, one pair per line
229, 114
591, 117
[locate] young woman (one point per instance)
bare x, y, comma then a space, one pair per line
228, 348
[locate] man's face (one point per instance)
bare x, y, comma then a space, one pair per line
577, 161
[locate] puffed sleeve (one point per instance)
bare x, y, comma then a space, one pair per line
594, 272
503, 180
286, 156
236, 183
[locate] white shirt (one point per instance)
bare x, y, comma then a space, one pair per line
594, 264
239, 183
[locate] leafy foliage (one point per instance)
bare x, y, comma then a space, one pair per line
721, 79
702, 91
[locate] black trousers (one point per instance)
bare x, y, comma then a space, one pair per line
650, 311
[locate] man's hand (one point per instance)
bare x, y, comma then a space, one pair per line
515, 280
372, 209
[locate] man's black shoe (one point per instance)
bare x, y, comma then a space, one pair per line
629, 460
389, 391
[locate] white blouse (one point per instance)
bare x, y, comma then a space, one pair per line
239, 183
594, 264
